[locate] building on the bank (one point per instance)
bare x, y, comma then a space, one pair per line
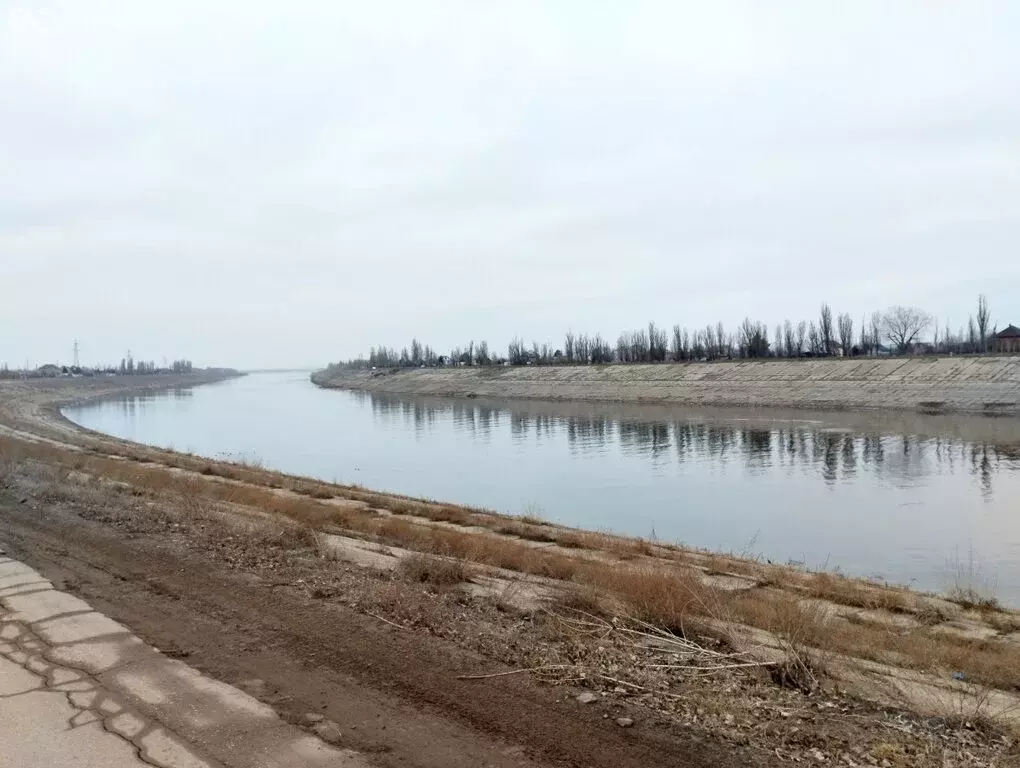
1008, 340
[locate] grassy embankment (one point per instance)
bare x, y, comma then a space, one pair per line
792, 617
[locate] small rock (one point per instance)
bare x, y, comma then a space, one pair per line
23, 501
624, 722
313, 719
619, 689
588, 698
328, 731
729, 720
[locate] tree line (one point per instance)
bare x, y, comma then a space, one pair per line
898, 330
128, 367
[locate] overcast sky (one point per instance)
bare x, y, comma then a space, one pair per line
280, 184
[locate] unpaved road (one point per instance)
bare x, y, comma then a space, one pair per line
394, 693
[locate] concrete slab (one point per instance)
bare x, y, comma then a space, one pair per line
18, 578
100, 655
29, 609
35, 730
23, 587
15, 681
78, 690
11, 569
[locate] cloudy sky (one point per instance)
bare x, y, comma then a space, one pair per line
281, 184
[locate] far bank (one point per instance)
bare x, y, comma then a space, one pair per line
938, 384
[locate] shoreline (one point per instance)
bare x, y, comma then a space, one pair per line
808, 630
36, 404
978, 385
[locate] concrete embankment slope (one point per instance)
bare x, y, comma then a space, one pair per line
974, 384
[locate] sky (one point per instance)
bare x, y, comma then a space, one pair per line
264, 184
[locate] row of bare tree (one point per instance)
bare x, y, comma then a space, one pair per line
898, 330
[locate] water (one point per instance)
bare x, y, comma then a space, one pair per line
905, 498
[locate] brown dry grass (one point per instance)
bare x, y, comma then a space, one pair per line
663, 587
437, 571
857, 594
668, 598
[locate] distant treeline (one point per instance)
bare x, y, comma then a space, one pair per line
128, 367
898, 330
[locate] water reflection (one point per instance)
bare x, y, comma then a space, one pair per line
892, 493
804, 447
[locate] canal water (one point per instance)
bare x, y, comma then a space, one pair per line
927, 501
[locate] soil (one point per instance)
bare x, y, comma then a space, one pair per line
395, 694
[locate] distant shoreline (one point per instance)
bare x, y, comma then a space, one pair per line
977, 385
27, 404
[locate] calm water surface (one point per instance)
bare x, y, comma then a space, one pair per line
909, 499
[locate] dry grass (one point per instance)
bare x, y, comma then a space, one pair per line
858, 594
669, 598
969, 597
580, 599
437, 571
659, 588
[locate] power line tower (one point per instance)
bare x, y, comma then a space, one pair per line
77, 349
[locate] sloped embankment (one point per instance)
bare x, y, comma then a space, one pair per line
972, 384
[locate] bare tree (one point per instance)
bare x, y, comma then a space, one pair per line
876, 330
825, 333
903, 325
568, 346
582, 351
677, 347
517, 353
656, 343
846, 333
983, 321
801, 337
722, 340
789, 340
814, 340
698, 345
711, 350
601, 352
482, 353
753, 339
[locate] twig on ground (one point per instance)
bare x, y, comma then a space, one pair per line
387, 621
514, 672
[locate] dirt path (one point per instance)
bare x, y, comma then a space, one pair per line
395, 694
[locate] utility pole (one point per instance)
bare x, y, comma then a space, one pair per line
77, 349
